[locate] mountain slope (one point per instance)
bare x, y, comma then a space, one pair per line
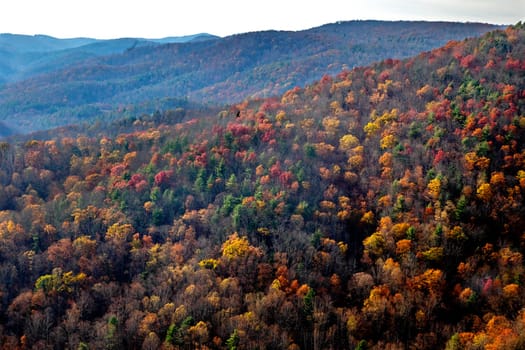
381, 208
217, 71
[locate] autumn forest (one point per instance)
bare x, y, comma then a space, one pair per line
378, 208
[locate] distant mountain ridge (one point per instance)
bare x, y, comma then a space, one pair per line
23, 56
185, 38
46, 43
40, 42
256, 64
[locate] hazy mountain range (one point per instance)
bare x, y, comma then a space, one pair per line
49, 82
22, 56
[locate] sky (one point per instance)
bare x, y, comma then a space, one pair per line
105, 19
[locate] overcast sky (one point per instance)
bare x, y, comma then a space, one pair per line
161, 18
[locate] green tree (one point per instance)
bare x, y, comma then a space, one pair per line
233, 341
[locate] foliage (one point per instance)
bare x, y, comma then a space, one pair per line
282, 222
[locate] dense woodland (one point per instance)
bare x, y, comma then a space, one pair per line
381, 208
109, 79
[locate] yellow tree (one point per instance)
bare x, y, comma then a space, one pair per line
484, 192
347, 142
235, 246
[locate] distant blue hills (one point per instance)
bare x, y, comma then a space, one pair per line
22, 56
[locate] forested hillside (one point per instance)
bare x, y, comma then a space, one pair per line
227, 70
381, 208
